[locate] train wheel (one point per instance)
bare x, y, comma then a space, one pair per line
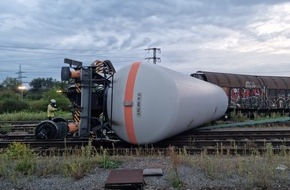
60, 120
65, 73
62, 125
46, 130
62, 130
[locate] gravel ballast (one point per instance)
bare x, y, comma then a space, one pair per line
192, 178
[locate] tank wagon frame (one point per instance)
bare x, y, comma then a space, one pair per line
251, 93
88, 95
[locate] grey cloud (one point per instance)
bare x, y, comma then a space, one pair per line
186, 30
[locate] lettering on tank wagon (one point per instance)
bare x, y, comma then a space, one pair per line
139, 102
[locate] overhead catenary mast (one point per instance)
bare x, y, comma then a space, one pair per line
154, 58
20, 76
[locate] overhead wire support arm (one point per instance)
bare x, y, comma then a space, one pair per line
154, 58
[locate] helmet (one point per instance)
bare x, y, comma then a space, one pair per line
52, 101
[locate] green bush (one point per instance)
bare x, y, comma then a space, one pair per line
17, 157
33, 96
8, 94
12, 105
38, 105
62, 101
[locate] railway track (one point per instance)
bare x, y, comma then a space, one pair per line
238, 134
192, 142
18, 126
257, 138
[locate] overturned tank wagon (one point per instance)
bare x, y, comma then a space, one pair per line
140, 104
151, 103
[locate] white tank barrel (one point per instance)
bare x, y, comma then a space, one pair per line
151, 103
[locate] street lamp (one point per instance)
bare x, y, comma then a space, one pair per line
21, 88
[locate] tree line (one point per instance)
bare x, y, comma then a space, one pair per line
35, 97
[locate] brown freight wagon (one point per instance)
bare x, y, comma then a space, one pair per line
250, 93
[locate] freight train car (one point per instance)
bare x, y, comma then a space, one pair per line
140, 103
250, 93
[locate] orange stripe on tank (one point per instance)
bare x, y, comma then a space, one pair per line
128, 110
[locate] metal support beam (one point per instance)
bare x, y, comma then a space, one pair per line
73, 62
85, 124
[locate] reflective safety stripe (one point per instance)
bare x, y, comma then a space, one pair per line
128, 110
77, 115
78, 87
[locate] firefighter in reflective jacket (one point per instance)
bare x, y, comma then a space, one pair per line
51, 108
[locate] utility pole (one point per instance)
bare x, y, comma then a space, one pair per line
155, 59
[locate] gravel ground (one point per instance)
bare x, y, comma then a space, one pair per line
191, 177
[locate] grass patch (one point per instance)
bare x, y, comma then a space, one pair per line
31, 116
252, 171
107, 162
241, 117
5, 129
19, 160
176, 181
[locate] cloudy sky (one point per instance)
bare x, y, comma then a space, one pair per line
248, 37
